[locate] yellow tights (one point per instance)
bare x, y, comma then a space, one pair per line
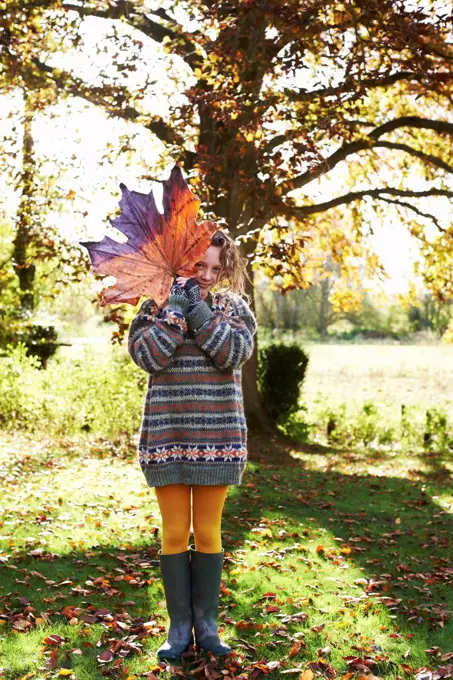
205, 514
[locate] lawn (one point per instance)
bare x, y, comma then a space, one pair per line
392, 374
337, 564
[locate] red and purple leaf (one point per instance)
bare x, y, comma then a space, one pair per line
159, 246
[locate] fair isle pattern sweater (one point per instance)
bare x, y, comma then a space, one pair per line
193, 426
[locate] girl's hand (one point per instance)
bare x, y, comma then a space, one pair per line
187, 286
193, 292
190, 286
177, 288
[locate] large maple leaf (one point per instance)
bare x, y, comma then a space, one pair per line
159, 246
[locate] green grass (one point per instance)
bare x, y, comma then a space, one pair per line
397, 397
416, 375
328, 554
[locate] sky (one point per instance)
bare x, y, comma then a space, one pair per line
79, 129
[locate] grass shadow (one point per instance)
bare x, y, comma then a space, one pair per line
388, 526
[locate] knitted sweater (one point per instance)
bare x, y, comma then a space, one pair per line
193, 427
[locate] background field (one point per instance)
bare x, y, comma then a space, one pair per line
393, 374
418, 375
380, 393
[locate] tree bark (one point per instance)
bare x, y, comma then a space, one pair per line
277, 299
255, 411
325, 290
23, 267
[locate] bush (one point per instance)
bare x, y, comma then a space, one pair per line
377, 425
297, 426
40, 340
436, 435
281, 372
20, 401
94, 393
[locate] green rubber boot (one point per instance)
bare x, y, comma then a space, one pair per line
175, 570
206, 571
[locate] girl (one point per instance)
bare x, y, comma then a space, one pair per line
193, 435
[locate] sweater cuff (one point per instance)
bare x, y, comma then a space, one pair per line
201, 313
179, 302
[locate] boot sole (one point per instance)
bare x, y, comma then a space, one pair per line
173, 658
200, 647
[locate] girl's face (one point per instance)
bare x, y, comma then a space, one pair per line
207, 270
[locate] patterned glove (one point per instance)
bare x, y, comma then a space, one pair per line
176, 289
193, 292
178, 298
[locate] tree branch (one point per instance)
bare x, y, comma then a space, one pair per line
353, 85
112, 99
368, 142
275, 141
138, 18
440, 126
418, 212
300, 212
427, 157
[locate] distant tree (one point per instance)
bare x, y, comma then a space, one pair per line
32, 31
430, 313
368, 316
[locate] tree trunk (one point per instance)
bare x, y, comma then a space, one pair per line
25, 269
325, 290
255, 411
278, 300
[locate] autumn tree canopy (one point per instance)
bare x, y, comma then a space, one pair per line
281, 94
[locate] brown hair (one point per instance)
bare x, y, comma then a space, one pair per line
234, 273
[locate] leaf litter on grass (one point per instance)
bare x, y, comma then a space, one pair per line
320, 579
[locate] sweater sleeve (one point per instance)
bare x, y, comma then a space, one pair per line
226, 337
155, 335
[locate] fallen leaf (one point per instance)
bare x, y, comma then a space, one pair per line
295, 649
53, 658
307, 675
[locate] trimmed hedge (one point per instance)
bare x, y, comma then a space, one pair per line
282, 371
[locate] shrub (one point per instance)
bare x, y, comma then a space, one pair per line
436, 435
281, 373
367, 424
20, 400
100, 393
297, 426
40, 340
377, 425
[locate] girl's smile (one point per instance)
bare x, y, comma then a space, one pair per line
206, 271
